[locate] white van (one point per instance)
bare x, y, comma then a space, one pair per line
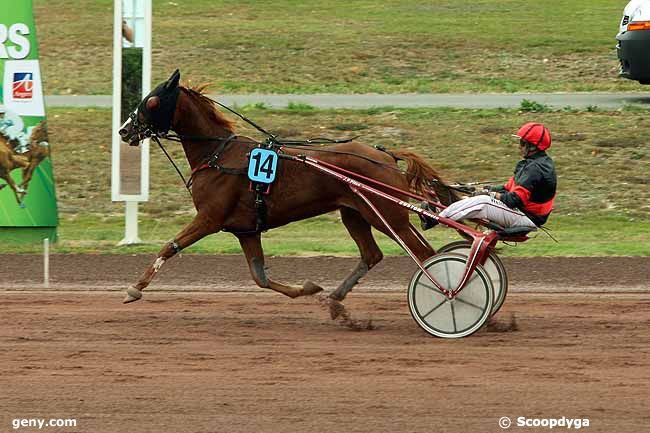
633, 37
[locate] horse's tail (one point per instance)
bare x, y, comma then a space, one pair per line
422, 177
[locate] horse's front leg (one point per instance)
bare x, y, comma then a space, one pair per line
252, 246
196, 230
19, 192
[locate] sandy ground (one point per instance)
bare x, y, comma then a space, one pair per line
213, 360
205, 272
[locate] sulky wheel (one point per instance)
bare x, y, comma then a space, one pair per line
440, 316
494, 267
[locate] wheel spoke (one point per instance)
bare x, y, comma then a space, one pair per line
434, 308
453, 317
432, 288
462, 301
447, 273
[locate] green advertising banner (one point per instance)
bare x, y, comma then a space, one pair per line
27, 198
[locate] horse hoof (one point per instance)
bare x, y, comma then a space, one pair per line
336, 308
132, 295
310, 288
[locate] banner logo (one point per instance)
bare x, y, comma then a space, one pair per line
23, 87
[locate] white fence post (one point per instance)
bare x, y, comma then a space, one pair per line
134, 15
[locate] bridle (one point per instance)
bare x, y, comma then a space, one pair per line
142, 130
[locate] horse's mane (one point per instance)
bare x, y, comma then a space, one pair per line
197, 93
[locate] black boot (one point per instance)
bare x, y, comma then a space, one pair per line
425, 222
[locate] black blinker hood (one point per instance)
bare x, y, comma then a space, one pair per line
161, 118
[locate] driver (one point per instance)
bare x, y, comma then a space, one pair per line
526, 200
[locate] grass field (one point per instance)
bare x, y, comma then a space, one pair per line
393, 46
602, 208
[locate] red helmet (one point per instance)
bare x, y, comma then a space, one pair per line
536, 134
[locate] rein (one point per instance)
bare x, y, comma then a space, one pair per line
171, 160
311, 144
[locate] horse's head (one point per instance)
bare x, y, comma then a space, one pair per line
154, 114
39, 133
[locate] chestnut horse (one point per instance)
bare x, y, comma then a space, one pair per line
8, 162
39, 149
223, 200
28, 161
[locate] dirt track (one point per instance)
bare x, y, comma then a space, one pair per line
258, 362
204, 272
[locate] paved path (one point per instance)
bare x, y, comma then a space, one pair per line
483, 100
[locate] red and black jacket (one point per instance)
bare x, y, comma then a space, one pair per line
532, 188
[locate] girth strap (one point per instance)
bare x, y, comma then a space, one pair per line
260, 208
261, 211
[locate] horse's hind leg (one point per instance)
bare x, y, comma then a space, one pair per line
194, 231
399, 222
425, 250
361, 232
252, 246
414, 241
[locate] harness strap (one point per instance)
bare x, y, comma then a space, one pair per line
226, 170
383, 149
221, 147
177, 248
260, 209
259, 188
261, 214
211, 161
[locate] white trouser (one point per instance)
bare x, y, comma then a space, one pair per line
483, 206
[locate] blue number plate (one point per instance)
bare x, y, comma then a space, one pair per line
262, 165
